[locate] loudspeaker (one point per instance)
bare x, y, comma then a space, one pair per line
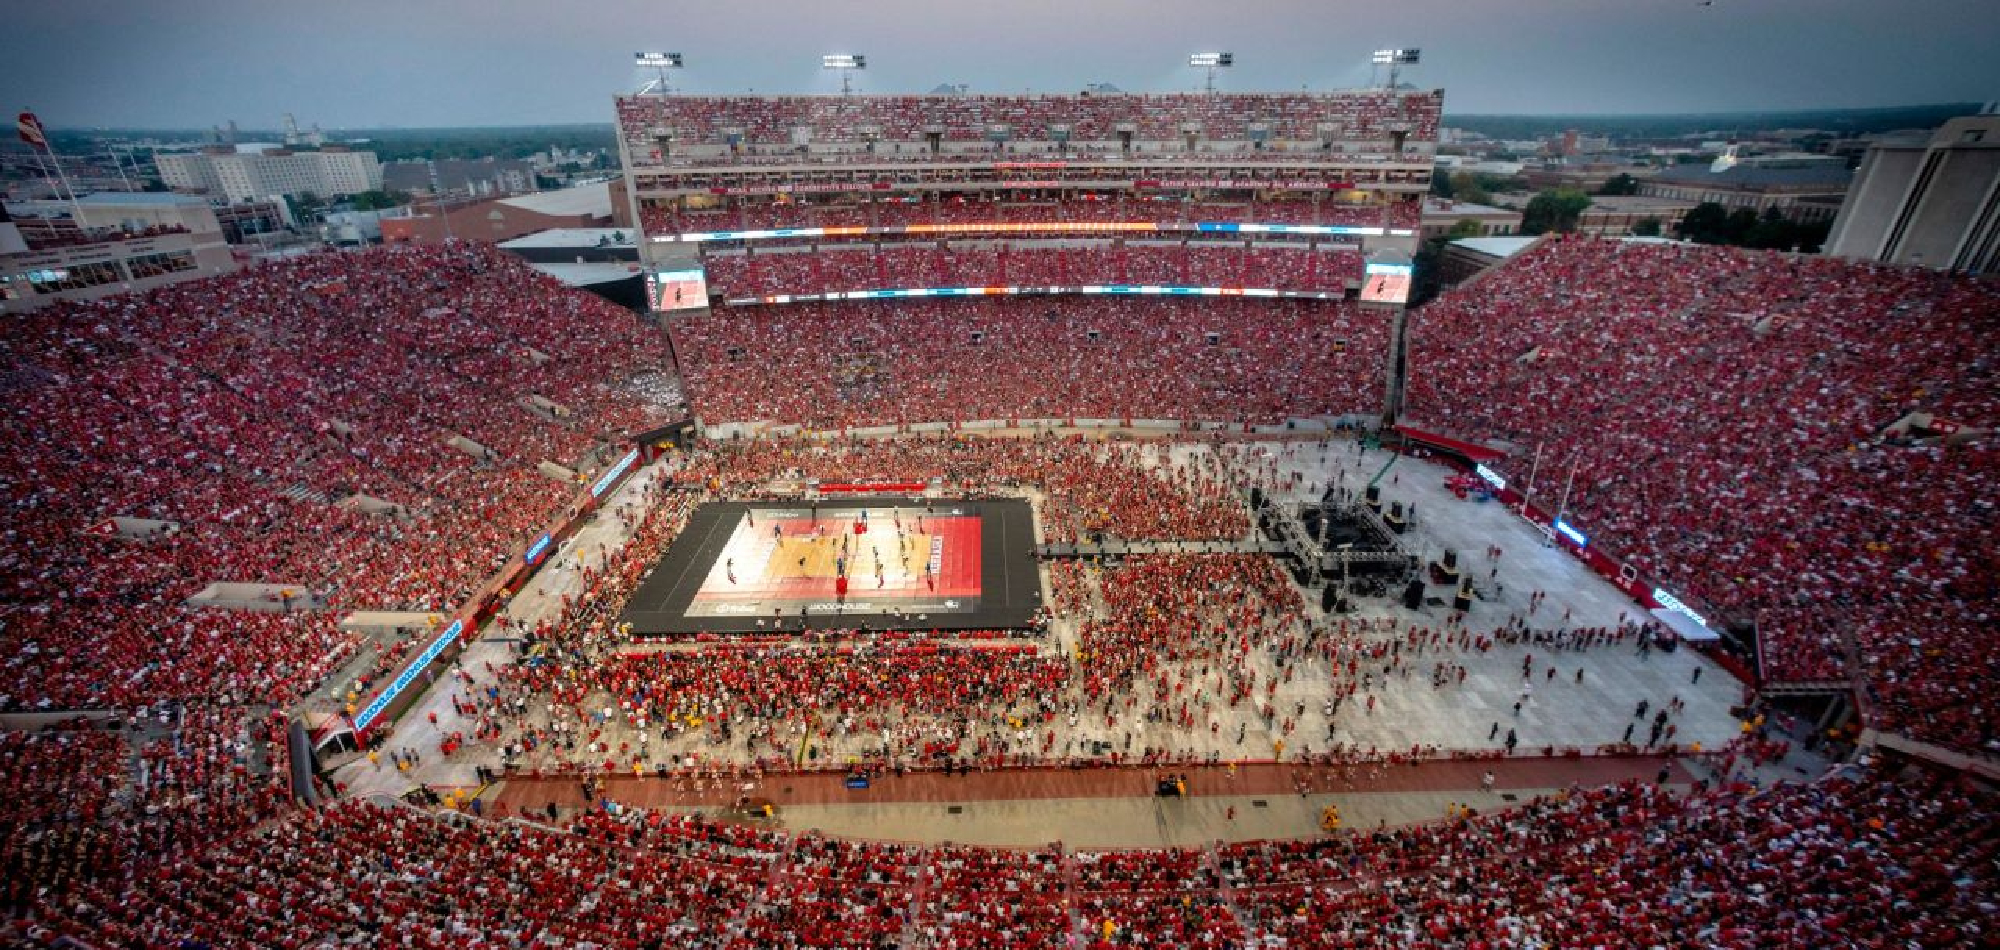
1374, 495
1450, 560
1256, 497
1461, 603
1413, 595
1329, 597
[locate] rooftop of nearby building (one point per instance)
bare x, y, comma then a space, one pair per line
589, 274
1441, 208
1496, 247
572, 237
593, 200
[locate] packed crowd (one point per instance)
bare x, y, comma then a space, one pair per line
1123, 491
1858, 858
1727, 411
1077, 209
78, 811
593, 701
767, 271
245, 412
172, 834
771, 120
595, 704
1804, 644
863, 363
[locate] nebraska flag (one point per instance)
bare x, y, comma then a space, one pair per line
30, 130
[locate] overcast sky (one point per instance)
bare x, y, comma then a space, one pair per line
365, 63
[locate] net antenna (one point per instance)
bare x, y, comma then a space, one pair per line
847, 63
1212, 62
660, 62
1396, 59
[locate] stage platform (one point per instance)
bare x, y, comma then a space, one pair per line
886, 563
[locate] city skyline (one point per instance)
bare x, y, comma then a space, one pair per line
371, 64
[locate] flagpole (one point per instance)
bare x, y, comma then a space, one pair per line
29, 129
47, 179
75, 205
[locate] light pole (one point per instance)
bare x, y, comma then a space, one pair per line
1395, 59
847, 63
660, 62
1212, 62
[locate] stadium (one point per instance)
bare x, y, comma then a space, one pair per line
1017, 521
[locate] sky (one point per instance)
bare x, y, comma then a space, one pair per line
356, 64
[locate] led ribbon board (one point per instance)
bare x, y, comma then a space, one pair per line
1576, 537
1017, 227
1121, 289
1670, 602
374, 710
611, 475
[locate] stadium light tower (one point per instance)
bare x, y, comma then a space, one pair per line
1396, 59
1212, 62
847, 63
661, 62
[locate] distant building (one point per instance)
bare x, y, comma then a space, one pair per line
125, 242
1441, 215
1927, 202
1617, 215
296, 138
1583, 176
502, 219
227, 173
486, 177
1804, 190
